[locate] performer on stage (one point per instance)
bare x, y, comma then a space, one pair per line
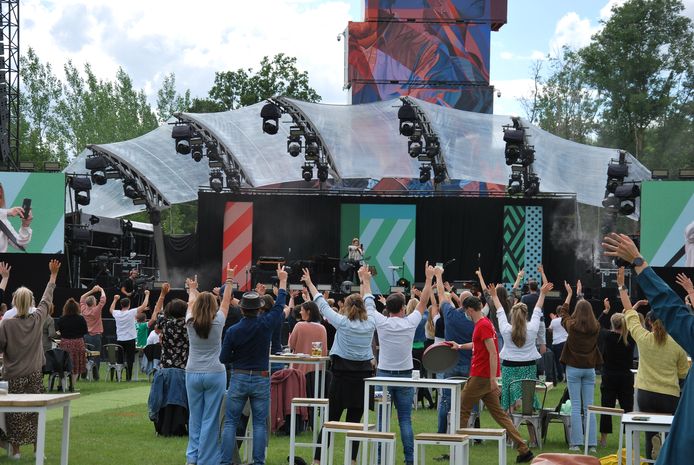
8, 236
355, 257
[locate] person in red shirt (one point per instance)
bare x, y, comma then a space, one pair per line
481, 385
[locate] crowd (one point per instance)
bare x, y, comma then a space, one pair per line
214, 346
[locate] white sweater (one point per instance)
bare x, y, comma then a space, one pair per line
510, 351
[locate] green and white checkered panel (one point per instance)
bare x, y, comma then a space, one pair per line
514, 242
533, 241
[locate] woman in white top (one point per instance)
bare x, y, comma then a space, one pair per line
559, 336
520, 352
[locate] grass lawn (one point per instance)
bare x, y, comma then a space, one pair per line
110, 426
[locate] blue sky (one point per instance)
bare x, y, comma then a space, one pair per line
150, 39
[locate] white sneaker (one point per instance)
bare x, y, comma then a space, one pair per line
575, 449
593, 450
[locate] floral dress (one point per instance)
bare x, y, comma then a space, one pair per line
174, 342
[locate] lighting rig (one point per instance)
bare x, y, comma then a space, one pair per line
303, 137
423, 143
520, 156
191, 138
620, 196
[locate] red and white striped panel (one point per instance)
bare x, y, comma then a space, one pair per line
237, 247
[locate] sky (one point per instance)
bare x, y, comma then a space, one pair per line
152, 38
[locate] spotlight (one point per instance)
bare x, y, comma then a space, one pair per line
216, 180
515, 141
515, 182
130, 189
96, 163
81, 185
424, 173
414, 147
234, 180
99, 178
312, 146
271, 114
211, 150
94, 220
197, 153
533, 185
294, 146
616, 172
307, 172
627, 191
527, 156
433, 147
322, 173
439, 174
627, 207
181, 134
408, 119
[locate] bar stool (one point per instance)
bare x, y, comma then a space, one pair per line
330, 428
489, 434
459, 447
383, 407
371, 438
614, 412
297, 403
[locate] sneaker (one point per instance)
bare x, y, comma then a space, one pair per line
593, 450
657, 443
575, 449
527, 457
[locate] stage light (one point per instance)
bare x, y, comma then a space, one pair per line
408, 119
533, 185
130, 189
181, 134
94, 220
627, 207
99, 177
616, 172
271, 114
322, 173
515, 182
433, 147
81, 185
197, 153
515, 141
414, 147
234, 180
294, 146
96, 163
439, 174
211, 150
312, 146
527, 156
627, 191
424, 174
611, 203
307, 172
216, 180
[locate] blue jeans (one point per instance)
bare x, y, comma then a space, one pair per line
205, 394
581, 384
445, 397
402, 399
244, 387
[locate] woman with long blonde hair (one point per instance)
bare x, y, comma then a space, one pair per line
519, 354
20, 343
617, 382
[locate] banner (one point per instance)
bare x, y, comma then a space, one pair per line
388, 234
667, 223
237, 242
46, 231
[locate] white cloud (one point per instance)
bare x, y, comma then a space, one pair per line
606, 11
506, 55
152, 38
538, 55
572, 31
511, 90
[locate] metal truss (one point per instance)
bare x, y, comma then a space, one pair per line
9, 84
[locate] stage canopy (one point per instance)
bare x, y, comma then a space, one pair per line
364, 142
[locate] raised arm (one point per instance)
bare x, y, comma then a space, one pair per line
89, 292
5, 273
228, 291
328, 313
500, 312
165, 288
543, 276
47, 298
544, 290
426, 292
623, 294
519, 278
569, 294
145, 303
686, 284
192, 285
481, 278
116, 298
440, 291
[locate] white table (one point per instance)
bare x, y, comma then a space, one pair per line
40, 403
319, 381
633, 428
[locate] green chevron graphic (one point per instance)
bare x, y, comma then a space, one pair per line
514, 242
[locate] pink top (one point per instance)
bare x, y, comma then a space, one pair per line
301, 338
93, 315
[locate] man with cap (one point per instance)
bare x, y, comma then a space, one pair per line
246, 347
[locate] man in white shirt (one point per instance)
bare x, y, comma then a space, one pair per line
126, 332
559, 336
395, 336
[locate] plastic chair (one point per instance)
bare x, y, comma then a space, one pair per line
528, 414
115, 360
58, 367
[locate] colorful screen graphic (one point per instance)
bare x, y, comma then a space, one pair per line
388, 234
431, 10
667, 223
469, 98
418, 52
44, 233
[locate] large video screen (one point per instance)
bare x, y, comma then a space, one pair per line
667, 223
42, 229
436, 11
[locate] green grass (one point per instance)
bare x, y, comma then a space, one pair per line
110, 426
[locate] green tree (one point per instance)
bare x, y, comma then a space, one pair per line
565, 104
640, 62
169, 101
279, 76
205, 105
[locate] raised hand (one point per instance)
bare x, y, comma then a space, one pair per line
428, 271
146, 292
5, 270
567, 286
438, 272
364, 274
231, 271
306, 276
447, 286
620, 276
478, 272
540, 268
116, 297
521, 273
620, 245
606, 305
165, 288
683, 281
491, 288
382, 299
53, 266
579, 288
547, 287
16, 211
640, 303
281, 273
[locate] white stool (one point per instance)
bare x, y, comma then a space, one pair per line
498, 435
328, 441
297, 403
387, 440
383, 407
458, 444
614, 412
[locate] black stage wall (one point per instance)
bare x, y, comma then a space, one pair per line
463, 228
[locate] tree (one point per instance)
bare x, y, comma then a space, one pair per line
279, 76
529, 104
205, 105
640, 62
169, 101
565, 105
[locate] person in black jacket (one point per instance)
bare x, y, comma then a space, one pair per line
72, 327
